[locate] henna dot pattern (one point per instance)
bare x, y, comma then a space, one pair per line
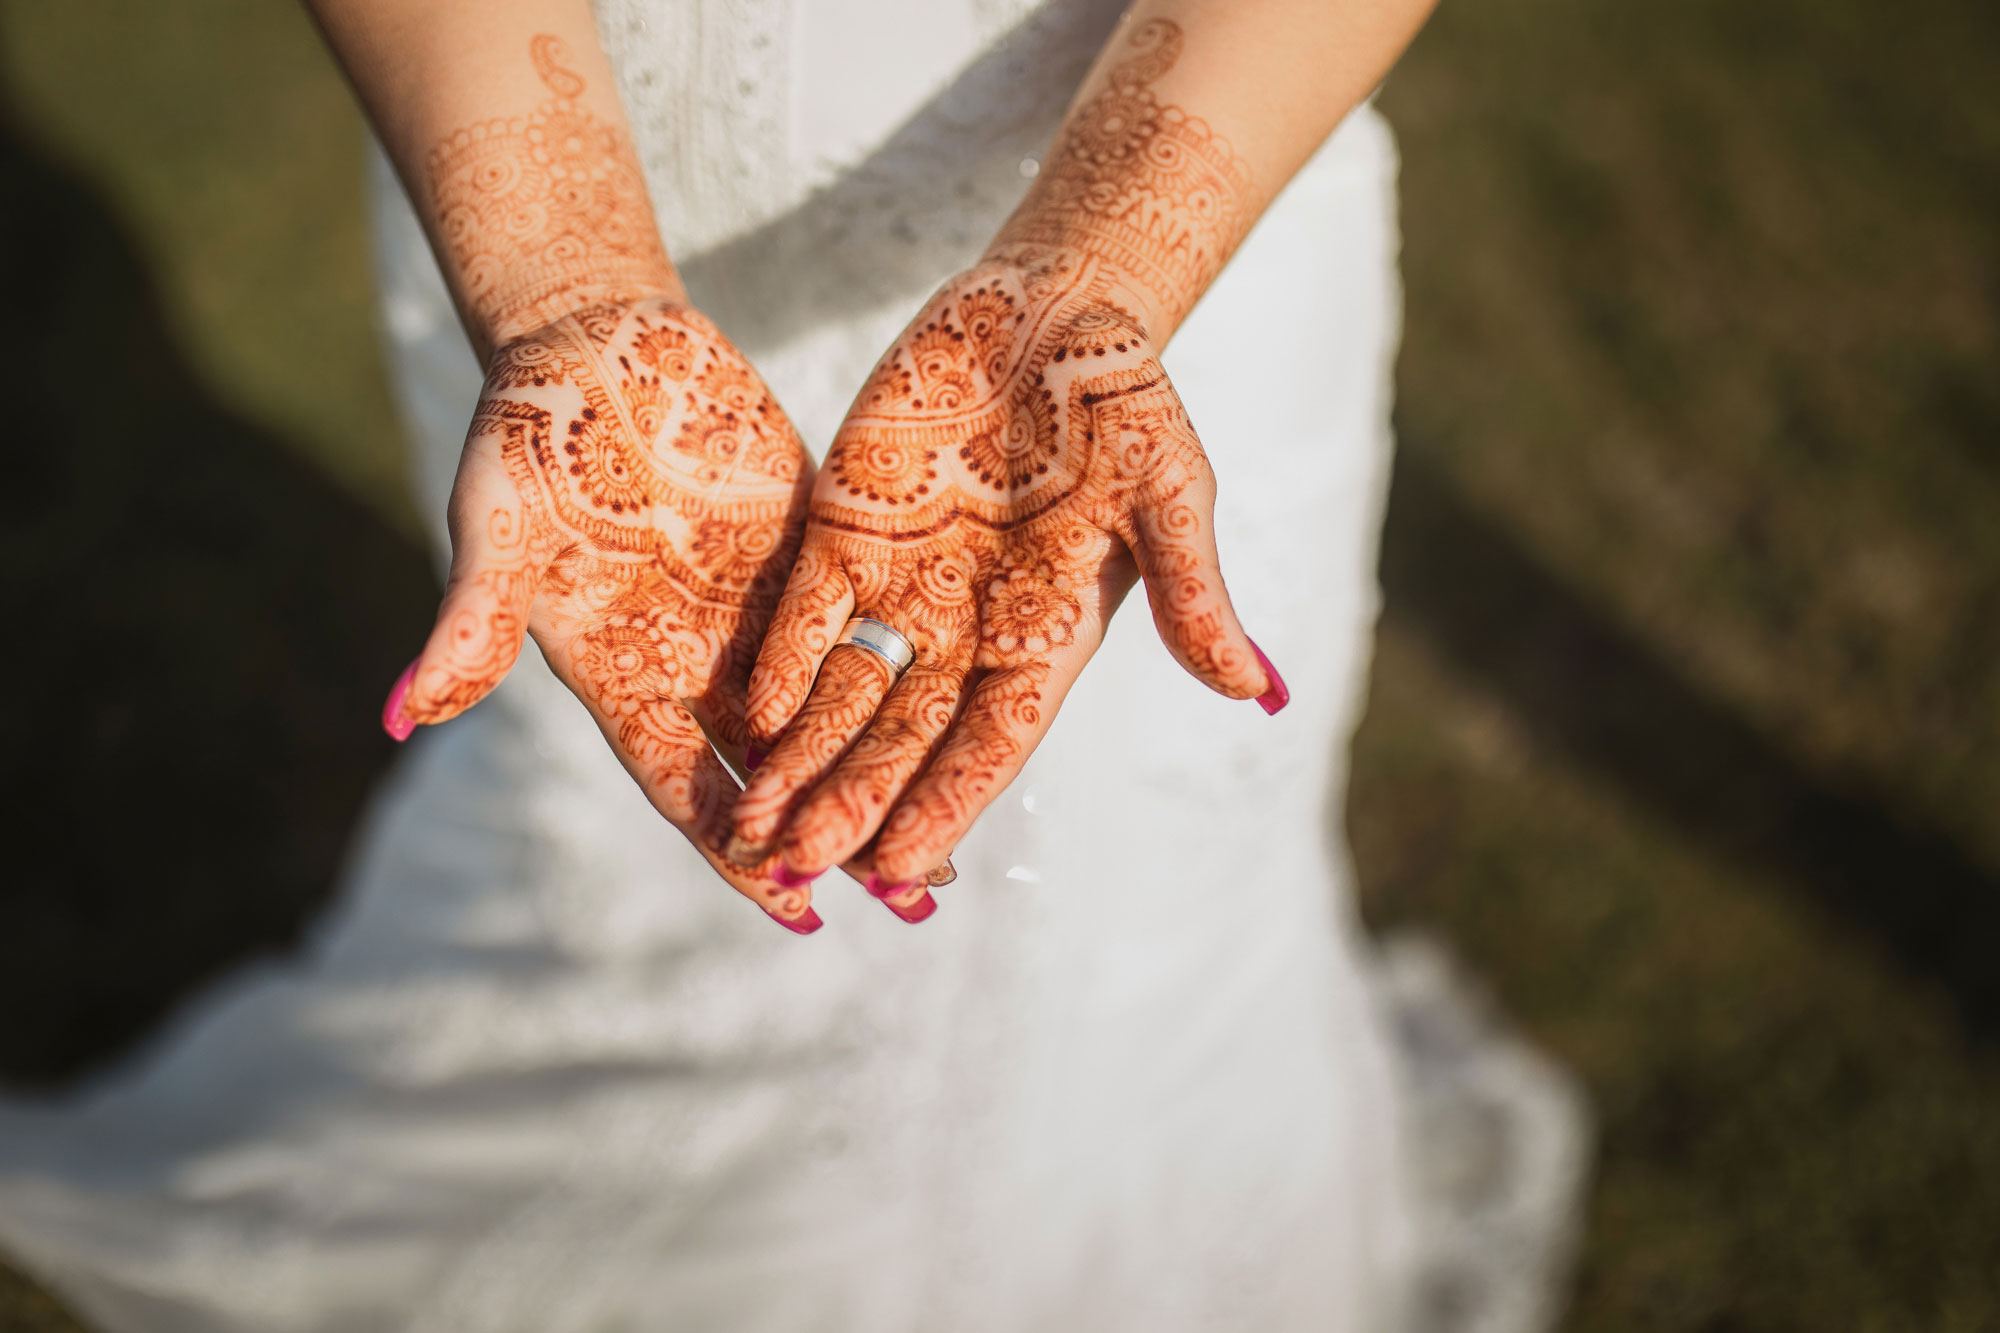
1014, 458
535, 209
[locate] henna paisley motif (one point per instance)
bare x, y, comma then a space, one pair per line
1016, 458
629, 493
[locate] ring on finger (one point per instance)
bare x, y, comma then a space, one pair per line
885, 641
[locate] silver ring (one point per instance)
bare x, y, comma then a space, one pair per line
885, 641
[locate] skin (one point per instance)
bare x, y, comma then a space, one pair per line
630, 495
1019, 458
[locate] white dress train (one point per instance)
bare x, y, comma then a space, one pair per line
538, 1070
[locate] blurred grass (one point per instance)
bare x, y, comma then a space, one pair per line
1703, 333
227, 143
1703, 329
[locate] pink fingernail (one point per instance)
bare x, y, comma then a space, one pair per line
751, 758
805, 923
882, 888
920, 910
791, 878
1277, 696
393, 721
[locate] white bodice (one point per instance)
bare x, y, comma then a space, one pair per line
745, 109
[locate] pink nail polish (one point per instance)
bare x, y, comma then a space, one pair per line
882, 888
805, 923
752, 756
920, 910
1277, 696
393, 721
791, 878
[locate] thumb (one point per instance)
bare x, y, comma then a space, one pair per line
1173, 542
497, 566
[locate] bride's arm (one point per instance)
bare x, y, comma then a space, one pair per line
503, 122
629, 493
1195, 115
1020, 457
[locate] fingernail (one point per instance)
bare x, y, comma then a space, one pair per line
751, 758
393, 721
920, 910
742, 853
882, 888
805, 923
1277, 696
943, 875
791, 878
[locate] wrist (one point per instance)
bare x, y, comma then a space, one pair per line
1153, 196
532, 300
539, 215
1135, 289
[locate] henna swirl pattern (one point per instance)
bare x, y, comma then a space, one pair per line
596, 510
537, 215
629, 493
1016, 459
1148, 188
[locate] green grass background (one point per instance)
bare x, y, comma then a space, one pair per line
1685, 726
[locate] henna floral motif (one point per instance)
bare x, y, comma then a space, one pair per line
1014, 459
629, 492
1151, 190
534, 210
645, 570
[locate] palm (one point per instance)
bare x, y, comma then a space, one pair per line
1013, 461
630, 495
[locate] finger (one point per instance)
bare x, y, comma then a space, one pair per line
1006, 717
850, 687
838, 817
1172, 537
497, 565
663, 747
817, 601
910, 902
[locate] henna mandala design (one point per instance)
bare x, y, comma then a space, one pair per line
645, 569
1013, 462
540, 214
629, 493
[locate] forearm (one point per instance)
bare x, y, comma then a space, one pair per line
1193, 119
504, 124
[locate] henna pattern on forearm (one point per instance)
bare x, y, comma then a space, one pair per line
1149, 190
542, 214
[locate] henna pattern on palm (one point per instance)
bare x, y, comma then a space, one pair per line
1014, 461
629, 493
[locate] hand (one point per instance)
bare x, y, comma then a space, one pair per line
631, 496
1014, 462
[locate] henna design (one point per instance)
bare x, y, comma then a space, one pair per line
543, 214
629, 492
645, 567
1149, 189
1014, 459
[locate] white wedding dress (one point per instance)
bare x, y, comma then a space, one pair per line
540, 1071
